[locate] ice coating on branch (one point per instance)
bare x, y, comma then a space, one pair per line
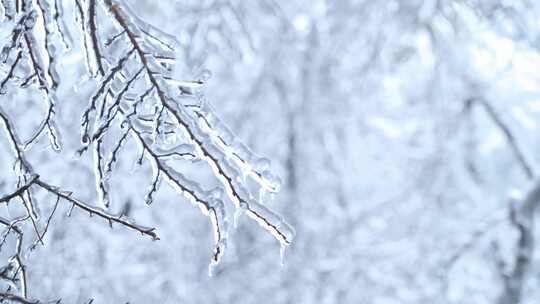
113, 157
272, 222
22, 167
98, 95
158, 45
156, 181
250, 164
50, 52
60, 27
102, 178
166, 41
25, 23
182, 151
8, 9
45, 75
170, 121
209, 202
32, 208
230, 175
54, 135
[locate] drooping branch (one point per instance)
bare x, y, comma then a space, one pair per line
282, 231
210, 205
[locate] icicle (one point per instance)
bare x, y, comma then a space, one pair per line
211, 269
272, 222
54, 136
113, 157
184, 85
156, 182
237, 214
282, 252
222, 139
102, 183
262, 164
262, 193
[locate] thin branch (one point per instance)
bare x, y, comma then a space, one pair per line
47, 224
92, 15
15, 142
98, 211
11, 72
20, 190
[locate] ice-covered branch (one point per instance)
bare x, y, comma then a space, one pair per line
208, 142
15, 143
11, 72
47, 19
137, 98
111, 218
92, 107
19, 191
96, 48
29, 179
23, 40
209, 202
16, 260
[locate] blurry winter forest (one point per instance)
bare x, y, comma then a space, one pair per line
307, 151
